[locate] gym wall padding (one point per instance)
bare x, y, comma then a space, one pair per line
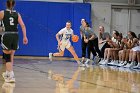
44, 19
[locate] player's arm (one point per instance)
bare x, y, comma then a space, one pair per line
23, 27
72, 34
135, 41
58, 34
1, 15
57, 37
92, 34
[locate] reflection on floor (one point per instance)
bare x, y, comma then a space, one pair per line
43, 76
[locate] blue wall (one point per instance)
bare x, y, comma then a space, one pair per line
44, 19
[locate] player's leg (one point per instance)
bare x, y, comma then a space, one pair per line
90, 49
96, 46
130, 55
84, 47
135, 56
72, 51
61, 49
6, 45
9, 74
7, 54
127, 58
116, 57
12, 56
60, 54
12, 47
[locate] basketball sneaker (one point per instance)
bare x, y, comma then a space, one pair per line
50, 56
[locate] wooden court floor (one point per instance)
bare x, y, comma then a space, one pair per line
39, 75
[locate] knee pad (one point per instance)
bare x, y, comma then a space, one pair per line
7, 57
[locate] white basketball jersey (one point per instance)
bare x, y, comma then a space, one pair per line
66, 34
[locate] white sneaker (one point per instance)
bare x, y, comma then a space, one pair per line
116, 63
111, 63
127, 65
137, 66
105, 62
10, 80
96, 59
132, 64
102, 61
50, 56
122, 64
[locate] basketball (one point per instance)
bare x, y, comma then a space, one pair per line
75, 38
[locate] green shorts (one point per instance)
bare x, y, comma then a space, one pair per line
10, 41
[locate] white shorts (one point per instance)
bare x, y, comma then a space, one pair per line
64, 45
137, 48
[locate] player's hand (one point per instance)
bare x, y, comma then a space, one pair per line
86, 40
124, 40
110, 41
100, 42
25, 40
59, 43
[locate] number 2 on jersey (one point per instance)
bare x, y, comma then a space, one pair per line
11, 20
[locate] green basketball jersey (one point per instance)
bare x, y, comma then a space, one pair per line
10, 21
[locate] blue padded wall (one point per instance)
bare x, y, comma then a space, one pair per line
44, 19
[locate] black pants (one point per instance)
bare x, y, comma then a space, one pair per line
96, 47
84, 48
91, 48
104, 47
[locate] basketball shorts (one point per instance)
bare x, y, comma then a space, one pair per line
64, 45
9, 41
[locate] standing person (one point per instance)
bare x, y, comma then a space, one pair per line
89, 38
66, 33
104, 37
83, 44
11, 19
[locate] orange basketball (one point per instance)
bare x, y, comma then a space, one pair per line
75, 38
